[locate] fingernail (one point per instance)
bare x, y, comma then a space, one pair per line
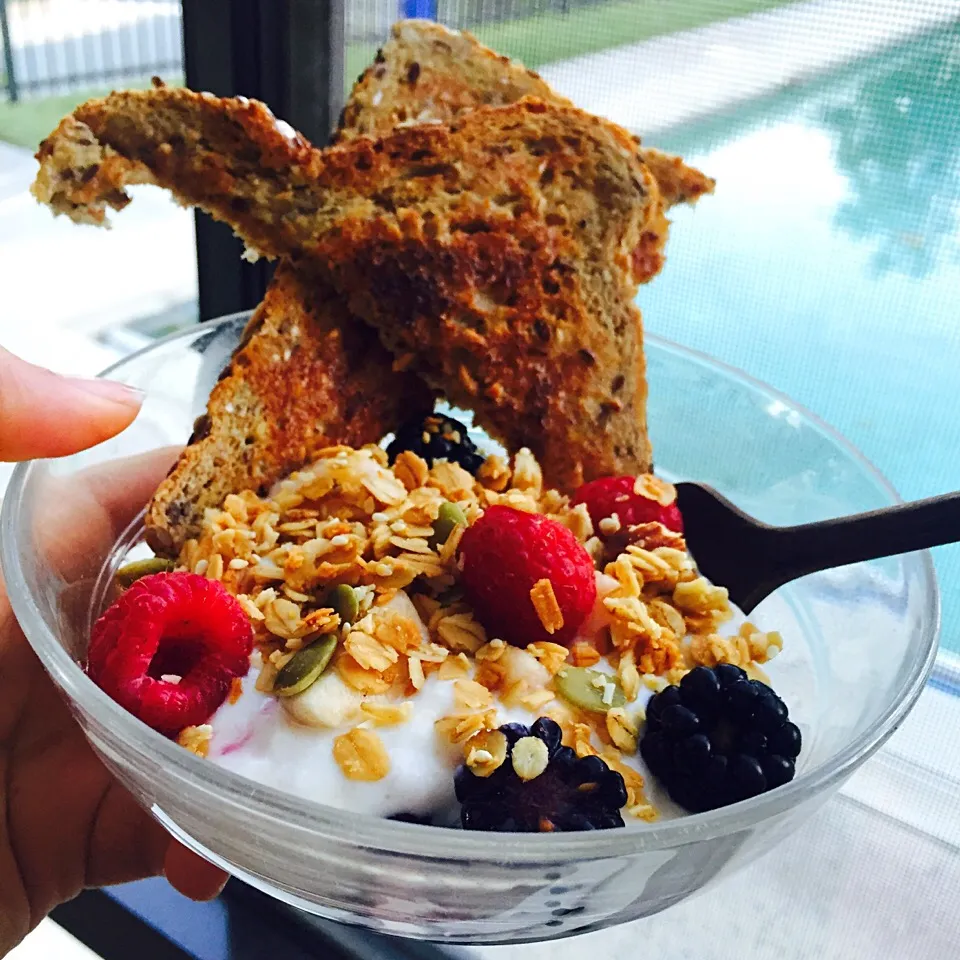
111, 390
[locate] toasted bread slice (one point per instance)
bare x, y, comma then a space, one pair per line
496, 256
306, 376
426, 72
234, 159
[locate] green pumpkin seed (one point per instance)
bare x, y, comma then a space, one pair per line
449, 517
580, 686
305, 667
130, 573
343, 599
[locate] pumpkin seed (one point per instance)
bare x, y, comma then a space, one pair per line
449, 517
130, 573
343, 599
305, 667
589, 689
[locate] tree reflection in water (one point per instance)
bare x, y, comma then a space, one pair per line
897, 138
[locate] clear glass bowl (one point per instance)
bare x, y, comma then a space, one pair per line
859, 643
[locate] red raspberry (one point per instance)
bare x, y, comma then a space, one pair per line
171, 624
615, 495
504, 554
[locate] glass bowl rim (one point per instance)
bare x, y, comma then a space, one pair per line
437, 842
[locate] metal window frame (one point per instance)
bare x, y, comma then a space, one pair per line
149, 920
288, 53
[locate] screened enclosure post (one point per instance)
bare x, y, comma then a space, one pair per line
288, 53
8, 68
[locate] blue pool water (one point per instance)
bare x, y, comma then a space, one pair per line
828, 262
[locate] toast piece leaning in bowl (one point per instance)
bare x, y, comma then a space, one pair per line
305, 376
426, 72
495, 255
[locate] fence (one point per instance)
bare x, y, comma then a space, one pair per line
61, 46
57, 46
371, 19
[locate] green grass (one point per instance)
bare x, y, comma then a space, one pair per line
536, 41
532, 40
28, 122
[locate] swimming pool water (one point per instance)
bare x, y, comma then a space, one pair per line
828, 262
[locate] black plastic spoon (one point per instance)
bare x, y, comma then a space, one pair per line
751, 559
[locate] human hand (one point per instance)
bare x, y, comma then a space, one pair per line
65, 823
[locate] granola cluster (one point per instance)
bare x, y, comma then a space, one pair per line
353, 519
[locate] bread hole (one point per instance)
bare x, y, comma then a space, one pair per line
363, 162
573, 142
542, 145
472, 226
607, 410
473, 319
550, 285
446, 170
384, 200
541, 329
547, 177
618, 382
555, 219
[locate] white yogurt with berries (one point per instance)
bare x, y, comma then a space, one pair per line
288, 744
365, 699
258, 738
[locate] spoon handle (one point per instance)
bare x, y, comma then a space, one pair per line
918, 525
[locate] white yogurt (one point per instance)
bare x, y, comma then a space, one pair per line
258, 738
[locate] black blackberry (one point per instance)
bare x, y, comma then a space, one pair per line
719, 737
435, 437
570, 794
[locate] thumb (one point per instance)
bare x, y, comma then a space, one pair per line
45, 415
